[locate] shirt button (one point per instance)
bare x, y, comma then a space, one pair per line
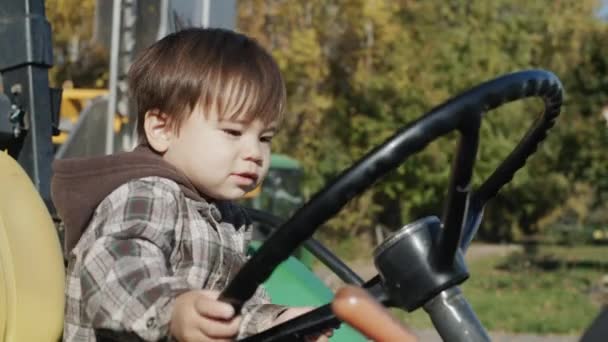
151, 322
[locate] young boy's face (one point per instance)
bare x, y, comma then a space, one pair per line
223, 158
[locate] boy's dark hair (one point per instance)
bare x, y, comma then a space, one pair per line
219, 69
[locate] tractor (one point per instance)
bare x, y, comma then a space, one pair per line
420, 265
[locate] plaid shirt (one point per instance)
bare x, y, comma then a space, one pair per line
146, 244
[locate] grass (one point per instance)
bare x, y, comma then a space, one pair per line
547, 291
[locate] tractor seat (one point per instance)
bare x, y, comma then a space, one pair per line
32, 272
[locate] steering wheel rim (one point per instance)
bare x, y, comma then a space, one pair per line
463, 210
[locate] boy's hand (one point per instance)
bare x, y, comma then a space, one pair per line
297, 311
199, 316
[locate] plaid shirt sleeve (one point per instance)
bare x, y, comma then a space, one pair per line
259, 314
126, 283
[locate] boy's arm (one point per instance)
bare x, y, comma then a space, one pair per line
125, 281
132, 294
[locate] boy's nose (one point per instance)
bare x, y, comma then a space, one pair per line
253, 152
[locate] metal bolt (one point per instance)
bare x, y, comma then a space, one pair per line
16, 114
16, 89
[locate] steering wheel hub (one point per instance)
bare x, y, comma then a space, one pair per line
410, 272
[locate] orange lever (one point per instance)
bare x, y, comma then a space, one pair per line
357, 308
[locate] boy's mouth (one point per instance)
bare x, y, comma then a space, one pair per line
247, 176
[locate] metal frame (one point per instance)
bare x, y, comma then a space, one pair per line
25, 56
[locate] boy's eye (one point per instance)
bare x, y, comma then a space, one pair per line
232, 132
266, 139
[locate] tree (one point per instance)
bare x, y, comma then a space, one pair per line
76, 58
358, 70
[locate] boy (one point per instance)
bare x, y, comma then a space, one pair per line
151, 235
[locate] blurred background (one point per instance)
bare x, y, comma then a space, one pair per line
356, 71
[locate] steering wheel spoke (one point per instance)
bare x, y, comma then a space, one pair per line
459, 190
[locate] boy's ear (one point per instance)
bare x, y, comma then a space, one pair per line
158, 130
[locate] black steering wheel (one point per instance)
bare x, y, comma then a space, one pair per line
445, 240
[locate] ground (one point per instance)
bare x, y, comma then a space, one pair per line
365, 268
432, 336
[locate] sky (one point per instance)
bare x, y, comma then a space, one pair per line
603, 13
